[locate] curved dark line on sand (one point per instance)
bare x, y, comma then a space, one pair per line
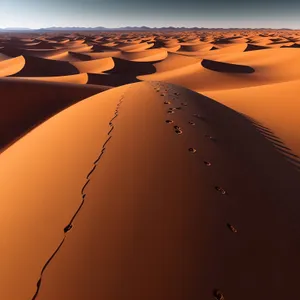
69, 226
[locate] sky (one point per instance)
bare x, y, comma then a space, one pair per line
152, 13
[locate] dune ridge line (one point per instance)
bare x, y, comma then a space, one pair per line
83, 195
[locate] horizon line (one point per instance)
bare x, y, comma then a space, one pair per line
137, 27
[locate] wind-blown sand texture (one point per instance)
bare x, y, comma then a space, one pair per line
150, 166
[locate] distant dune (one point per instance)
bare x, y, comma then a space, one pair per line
149, 164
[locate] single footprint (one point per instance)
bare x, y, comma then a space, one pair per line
178, 131
207, 163
169, 121
176, 94
218, 295
233, 229
192, 150
221, 190
170, 111
192, 123
179, 108
167, 102
184, 103
163, 95
68, 228
177, 127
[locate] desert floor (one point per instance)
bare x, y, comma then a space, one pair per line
150, 165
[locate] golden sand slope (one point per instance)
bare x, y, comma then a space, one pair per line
162, 206
11, 66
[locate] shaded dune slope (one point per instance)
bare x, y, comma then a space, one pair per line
40, 67
225, 67
27, 103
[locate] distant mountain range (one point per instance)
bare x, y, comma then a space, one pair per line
127, 28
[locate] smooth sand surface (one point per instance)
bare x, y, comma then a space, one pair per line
184, 174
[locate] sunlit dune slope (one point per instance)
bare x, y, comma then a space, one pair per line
95, 66
11, 66
175, 207
26, 103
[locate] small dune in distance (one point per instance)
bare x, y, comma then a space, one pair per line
149, 164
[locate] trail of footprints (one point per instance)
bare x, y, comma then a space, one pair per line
217, 294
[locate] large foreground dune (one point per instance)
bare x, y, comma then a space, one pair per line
150, 166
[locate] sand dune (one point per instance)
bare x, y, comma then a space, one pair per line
27, 103
36, 66
11, 66
114, 188
157, 230
94, 66
151, 55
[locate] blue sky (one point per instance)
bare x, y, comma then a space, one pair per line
117, 13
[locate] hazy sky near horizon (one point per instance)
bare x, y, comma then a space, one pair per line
153, 13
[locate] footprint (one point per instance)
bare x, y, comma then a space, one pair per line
169, 121
221, 190
167, 102
192, 150
218, 295
179, 108
192, 123
178, 131
233, 229
68, 228
176, 94
184, 103
207, 163
170, 111
163, 95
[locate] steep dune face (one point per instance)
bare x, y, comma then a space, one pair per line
27, 103
167, 212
